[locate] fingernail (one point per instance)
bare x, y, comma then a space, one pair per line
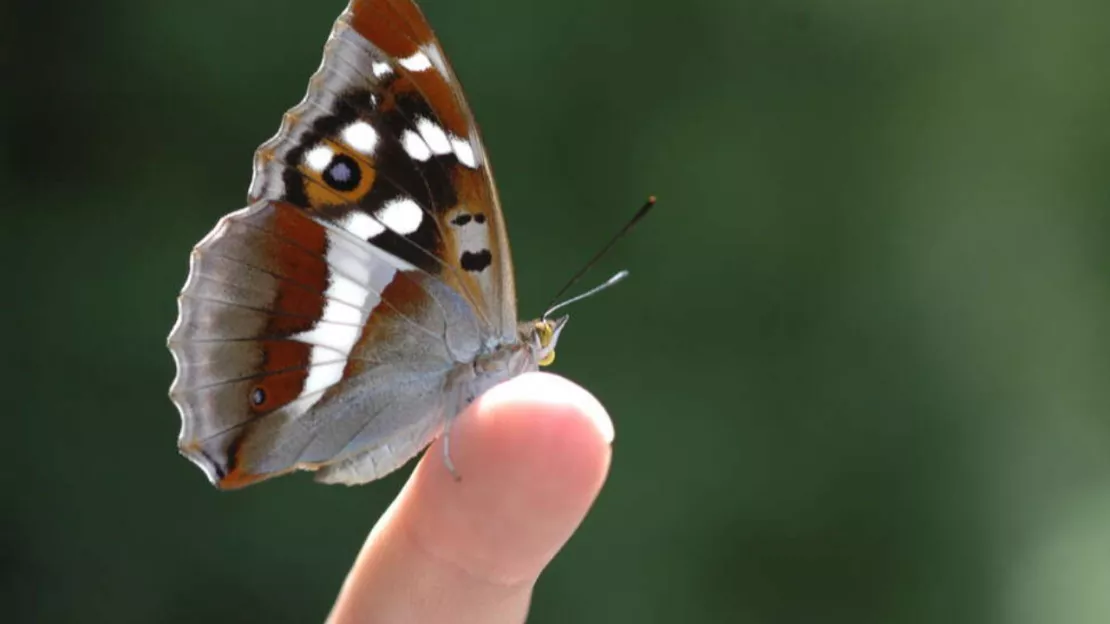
597, 414
604, 424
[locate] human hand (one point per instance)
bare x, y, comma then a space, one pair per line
533, 453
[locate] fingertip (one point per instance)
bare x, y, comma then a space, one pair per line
533, 454
544, 391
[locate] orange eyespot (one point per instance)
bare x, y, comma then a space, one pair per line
335, 174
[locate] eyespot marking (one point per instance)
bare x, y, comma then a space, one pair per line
343, 173
479, 218
476, 262
462, 219
258, 396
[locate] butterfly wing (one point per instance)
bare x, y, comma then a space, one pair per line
318, 327
384, 145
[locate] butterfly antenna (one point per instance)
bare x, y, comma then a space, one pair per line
636, 218
612, 281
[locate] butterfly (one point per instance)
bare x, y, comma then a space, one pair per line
365, 295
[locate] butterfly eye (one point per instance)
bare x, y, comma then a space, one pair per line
544, 334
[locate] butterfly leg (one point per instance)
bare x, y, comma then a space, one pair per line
447, 451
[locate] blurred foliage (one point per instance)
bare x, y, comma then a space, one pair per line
860, 372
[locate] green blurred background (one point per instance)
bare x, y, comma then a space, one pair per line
861, 372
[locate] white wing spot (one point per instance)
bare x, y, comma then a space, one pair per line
322, 375
319, 157
336, 311
433, 135
349, 299
402, 215
417, 62
471, 232
339, 338
464, 152
380, 69
361, 225
361, 136
415, 146
437, 59
346, 290
331, 345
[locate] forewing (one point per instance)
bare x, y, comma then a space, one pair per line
384, 146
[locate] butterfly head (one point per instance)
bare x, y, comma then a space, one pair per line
541, 335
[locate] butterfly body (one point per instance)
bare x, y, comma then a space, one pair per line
365, 296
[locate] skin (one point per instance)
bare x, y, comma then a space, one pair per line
533, 453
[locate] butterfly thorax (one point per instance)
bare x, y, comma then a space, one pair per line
534, 347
